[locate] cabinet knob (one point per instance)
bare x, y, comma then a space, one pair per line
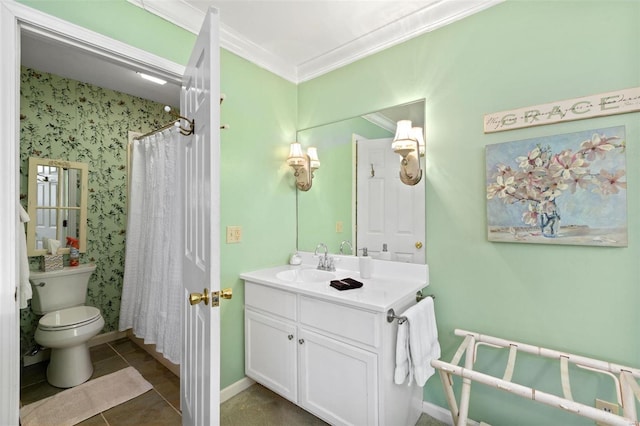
290, 337
301, 341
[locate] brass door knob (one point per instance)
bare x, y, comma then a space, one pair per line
226, 293
419, 245
195, 298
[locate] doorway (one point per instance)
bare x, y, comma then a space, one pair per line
38, 27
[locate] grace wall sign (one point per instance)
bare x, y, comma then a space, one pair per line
611, 103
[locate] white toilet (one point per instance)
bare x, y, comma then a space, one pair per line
67, 325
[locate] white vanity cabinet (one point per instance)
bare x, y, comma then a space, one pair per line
331, 358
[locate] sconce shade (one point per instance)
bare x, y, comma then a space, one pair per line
312, 152
296, 157
416, 133
303, 165
409, 143
403, 143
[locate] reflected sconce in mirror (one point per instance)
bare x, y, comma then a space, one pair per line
409, 144
303, 165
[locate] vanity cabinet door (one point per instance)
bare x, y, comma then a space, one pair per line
270, 353
338, 382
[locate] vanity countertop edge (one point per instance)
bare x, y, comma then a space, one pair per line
378, 293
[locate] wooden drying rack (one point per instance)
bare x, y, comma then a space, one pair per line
625, 379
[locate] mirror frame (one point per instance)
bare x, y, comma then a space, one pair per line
32, 203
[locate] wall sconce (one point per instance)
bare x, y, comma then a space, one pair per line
409, 143
303, 164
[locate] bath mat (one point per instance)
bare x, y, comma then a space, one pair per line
74, 405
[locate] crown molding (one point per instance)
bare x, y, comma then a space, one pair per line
190, 18
424, 20
381, 121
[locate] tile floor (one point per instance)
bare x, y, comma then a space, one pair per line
160, 406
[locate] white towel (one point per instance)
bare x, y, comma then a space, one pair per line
417, 343
25, 291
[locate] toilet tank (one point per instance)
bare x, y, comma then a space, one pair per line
60, 289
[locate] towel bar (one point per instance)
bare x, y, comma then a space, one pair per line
391, 314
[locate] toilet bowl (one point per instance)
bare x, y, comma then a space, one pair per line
67, 332
67, 324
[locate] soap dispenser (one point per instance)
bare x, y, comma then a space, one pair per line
384, 254
365, 264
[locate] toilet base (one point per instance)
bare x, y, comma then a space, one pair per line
69, 367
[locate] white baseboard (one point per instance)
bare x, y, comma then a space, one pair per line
442, 414
235, 388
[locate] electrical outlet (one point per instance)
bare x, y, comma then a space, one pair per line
234, 234
339, 226
609, 407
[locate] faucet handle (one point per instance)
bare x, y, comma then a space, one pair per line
331, 264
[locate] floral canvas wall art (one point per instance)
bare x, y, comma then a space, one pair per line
561, 189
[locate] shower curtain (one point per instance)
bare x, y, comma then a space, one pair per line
151, 293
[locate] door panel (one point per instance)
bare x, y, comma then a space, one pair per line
337, 381
388, 211
200, 159
271, 354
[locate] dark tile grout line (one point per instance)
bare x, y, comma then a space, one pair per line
154, 388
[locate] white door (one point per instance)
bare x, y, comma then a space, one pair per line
389, 212
200, 156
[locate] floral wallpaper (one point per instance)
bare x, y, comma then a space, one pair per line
70, 120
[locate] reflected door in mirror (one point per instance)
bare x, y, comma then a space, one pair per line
389, 212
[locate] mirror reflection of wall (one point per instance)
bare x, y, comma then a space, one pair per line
358, 188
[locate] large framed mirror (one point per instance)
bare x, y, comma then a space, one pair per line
57, 204
357, 195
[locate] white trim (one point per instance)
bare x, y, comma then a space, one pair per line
423, 21
441, 414
36, 22
381, 121
235, 388
9, 139
256, 54
427, 19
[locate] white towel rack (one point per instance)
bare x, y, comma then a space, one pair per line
625, 379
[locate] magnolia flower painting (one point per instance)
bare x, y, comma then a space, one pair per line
562, 189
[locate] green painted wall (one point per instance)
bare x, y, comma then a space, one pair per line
257, 189
516, 54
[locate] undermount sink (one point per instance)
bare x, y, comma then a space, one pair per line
305, 275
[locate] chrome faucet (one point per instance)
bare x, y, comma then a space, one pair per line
342, 246
326, 262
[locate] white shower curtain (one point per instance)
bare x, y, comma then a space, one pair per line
151, 293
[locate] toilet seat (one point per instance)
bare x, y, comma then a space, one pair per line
65, 319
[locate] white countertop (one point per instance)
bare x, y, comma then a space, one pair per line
378, 293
